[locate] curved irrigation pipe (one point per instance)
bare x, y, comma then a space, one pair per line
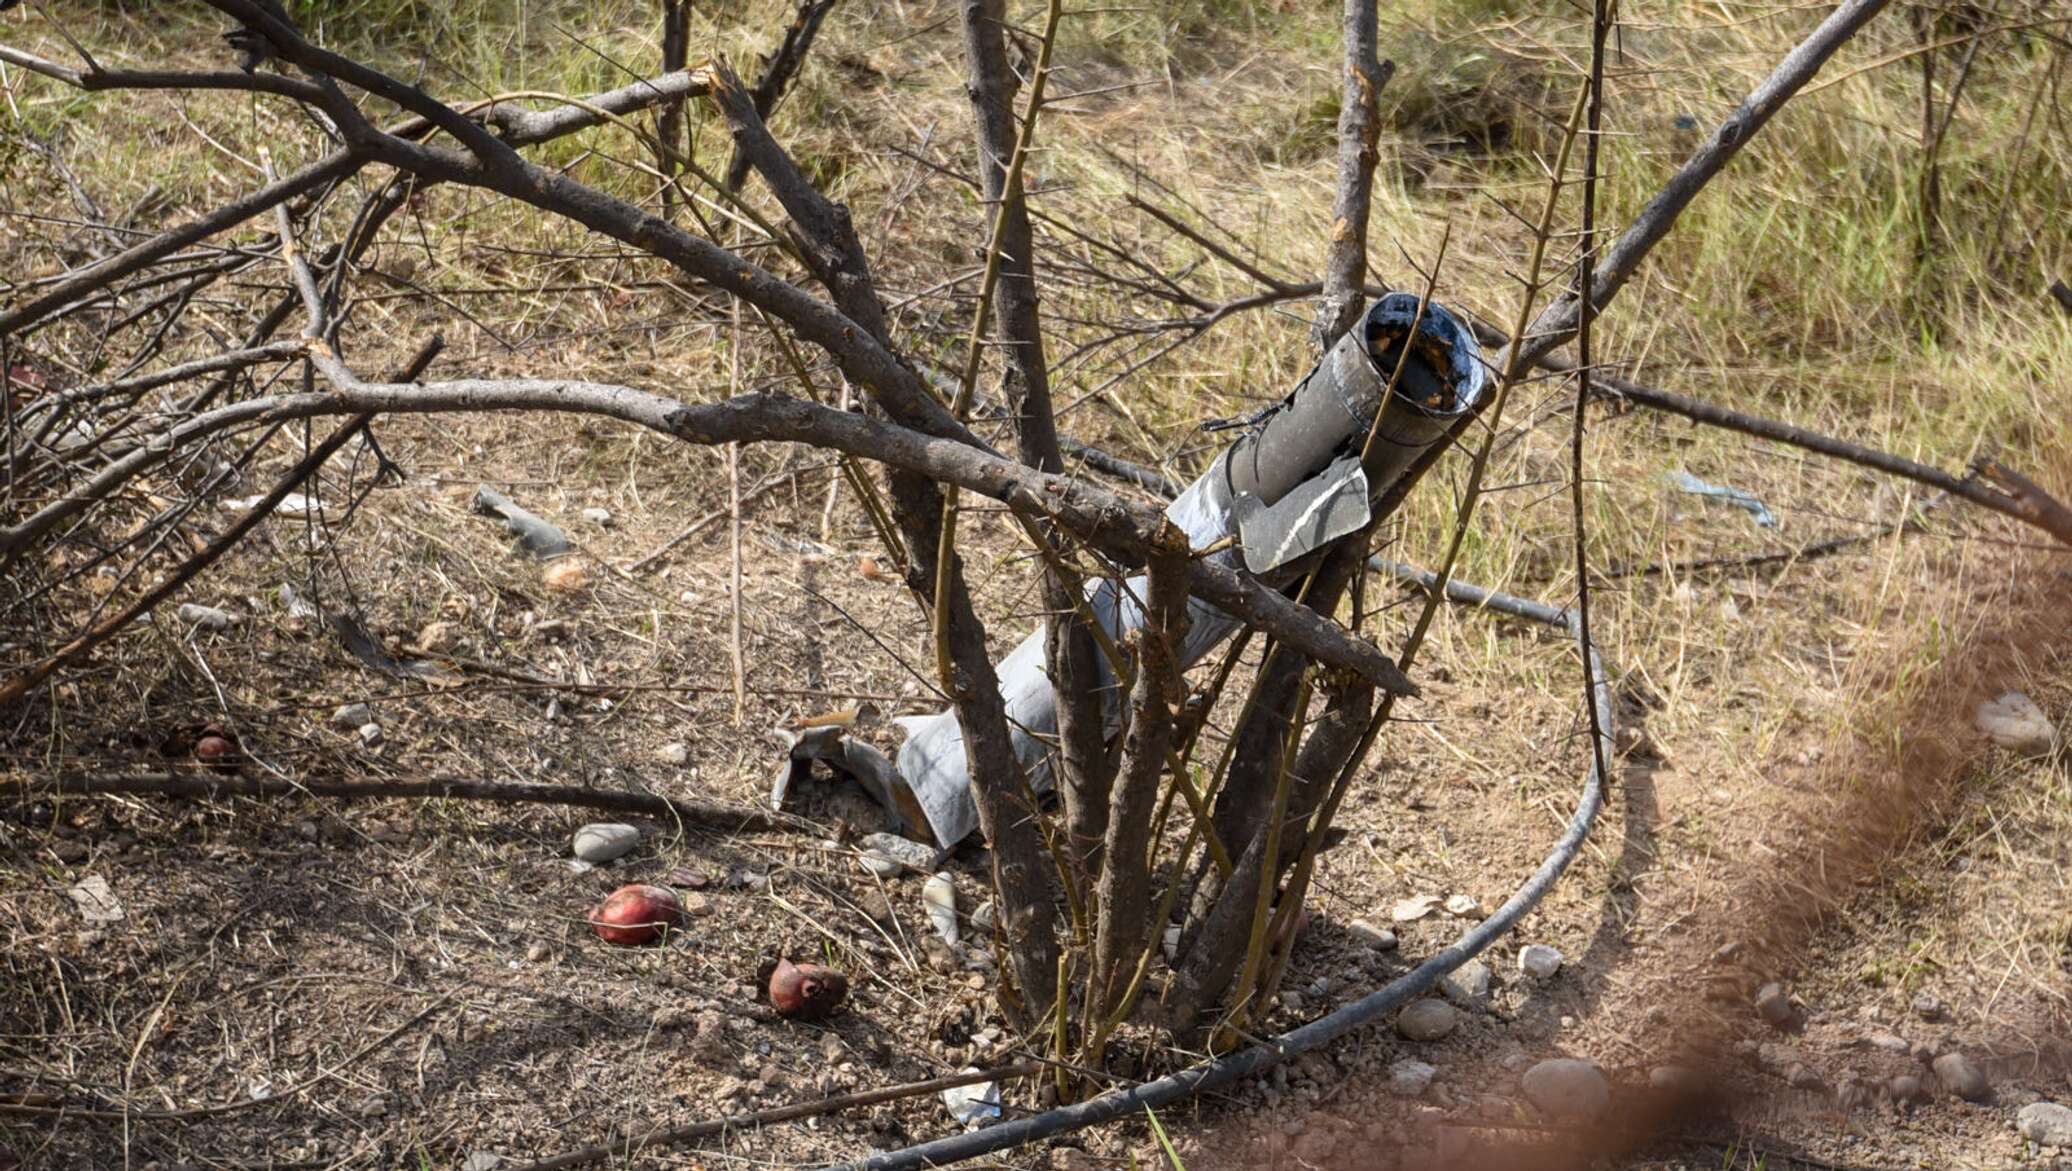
1321, 1032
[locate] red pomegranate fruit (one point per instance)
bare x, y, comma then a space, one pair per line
806, 992
636, 914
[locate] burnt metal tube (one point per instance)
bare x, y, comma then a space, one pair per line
1294, 483
1332, 409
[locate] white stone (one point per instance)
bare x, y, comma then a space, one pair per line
1410, 1078
604, 841
205, 617
369, 734
2013, 721
1467, 985
939, 895
352, 715
1378, 938
2046, 1124
1413, 908
1464, 906
1566, 1087
601, 517
1539, 961
673, 754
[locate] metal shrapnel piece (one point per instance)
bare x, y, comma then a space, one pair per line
1313, 514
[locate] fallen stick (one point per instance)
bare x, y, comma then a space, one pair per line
2017, 496
626, 1148
688, 812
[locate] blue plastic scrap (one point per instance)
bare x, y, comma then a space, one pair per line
1737, 497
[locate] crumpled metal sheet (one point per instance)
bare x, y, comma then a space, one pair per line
1313, 514
1319, 433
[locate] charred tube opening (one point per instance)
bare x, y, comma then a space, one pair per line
1332, 409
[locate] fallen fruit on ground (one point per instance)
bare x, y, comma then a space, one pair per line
806, 992
636, 914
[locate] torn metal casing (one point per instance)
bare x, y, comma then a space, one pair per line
861, 762
1306, 450
1313, 514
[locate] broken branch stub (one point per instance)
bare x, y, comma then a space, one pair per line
1297, 474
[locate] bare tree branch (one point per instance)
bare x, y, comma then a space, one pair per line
1123, 922
1558, 322
1359, 128
778, 70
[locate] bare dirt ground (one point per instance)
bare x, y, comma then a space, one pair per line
308, 983
316, 984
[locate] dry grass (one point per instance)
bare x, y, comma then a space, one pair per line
276, 942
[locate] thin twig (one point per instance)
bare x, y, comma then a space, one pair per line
208, 787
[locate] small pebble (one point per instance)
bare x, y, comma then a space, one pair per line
1565, 1087
1773, 1005
2013, 721
673, 754
1467, 985
1960, 1076
601, 517
2046, 1124
370, 734
1464, 906
537, 953
1928, 1006
1427, 1020
939, 896
352, 715
604, 841
1378, 938
1410, 1078
1906, 1088
1539, 961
